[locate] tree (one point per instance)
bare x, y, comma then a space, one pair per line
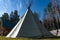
53, 12
56, 9
16, 16
5, 17
51, 20
45, 12
11, 17
36, 18
50, 15
45, 23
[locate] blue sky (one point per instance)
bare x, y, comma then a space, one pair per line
11, 5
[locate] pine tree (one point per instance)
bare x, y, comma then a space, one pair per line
5, 17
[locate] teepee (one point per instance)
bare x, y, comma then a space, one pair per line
27, 27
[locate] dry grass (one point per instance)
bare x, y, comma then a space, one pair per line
4, 38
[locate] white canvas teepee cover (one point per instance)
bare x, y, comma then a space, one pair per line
26, 27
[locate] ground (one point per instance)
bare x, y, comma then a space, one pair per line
53, 31
4, 38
